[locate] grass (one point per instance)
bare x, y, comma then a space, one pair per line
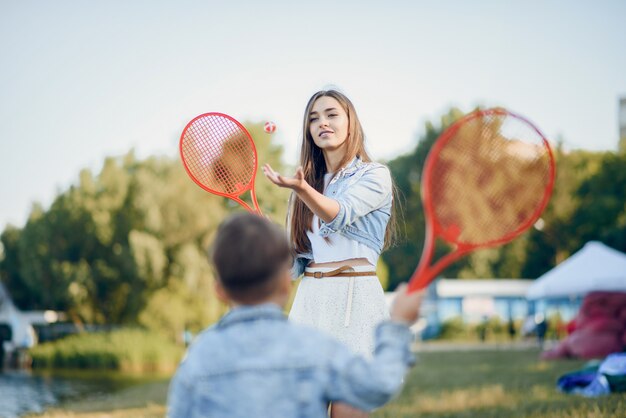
484, 384
494, 384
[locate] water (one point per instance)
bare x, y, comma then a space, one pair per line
22, 392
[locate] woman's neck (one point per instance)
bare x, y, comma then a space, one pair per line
333, 159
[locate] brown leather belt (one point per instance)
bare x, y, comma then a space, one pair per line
340, 272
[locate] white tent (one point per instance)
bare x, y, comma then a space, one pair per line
22, 331
593, 267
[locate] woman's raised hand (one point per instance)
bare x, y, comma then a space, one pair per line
296, 182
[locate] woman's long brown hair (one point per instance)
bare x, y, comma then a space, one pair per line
314, 167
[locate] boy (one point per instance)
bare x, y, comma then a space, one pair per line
255, 364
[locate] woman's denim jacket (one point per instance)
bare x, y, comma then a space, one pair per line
364, 193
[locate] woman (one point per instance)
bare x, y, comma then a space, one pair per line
339, 220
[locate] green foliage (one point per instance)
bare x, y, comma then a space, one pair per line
453, 329
128, 350
114, 247
406, 171
382, 272
601, 214
493, 329
127, 245
9, 265
272, 200
174, 309
588, 203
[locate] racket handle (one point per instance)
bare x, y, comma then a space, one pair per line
419, 282
424, 275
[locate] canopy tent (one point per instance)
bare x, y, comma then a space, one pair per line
5, 302
594, 267
22, 333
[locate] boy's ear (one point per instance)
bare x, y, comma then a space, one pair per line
220, 291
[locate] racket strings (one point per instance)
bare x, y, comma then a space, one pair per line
219, 154
489, 179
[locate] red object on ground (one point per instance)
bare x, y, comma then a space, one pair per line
571, 326
587, 344
622, 315
604, 325
598, 330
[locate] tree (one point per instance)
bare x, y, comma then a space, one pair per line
406, 170
601, 214
118, 245
587, 203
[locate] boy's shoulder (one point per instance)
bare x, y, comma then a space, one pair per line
307, 335
288, 336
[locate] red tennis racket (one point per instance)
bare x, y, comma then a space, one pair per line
219, 155
486, 180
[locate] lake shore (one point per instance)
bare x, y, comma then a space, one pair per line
141, 401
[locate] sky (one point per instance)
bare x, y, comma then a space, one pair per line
83, 80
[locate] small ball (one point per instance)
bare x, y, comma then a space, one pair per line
270, 127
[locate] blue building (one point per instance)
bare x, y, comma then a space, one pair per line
472, 301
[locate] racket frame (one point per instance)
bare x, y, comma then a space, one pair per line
247, 187
425, 273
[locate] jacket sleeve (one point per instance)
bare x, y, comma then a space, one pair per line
372, 191
299, 264
370, 384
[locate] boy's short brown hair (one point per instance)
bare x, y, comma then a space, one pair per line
249, 253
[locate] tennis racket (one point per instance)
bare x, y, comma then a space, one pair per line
219, 155
486, 180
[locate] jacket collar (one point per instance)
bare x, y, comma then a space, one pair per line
246, 313
348, 169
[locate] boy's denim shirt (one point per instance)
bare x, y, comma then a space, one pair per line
254, 363
364, 193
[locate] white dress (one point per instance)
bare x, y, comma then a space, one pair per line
348, 308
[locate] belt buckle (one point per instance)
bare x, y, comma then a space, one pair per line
318, 274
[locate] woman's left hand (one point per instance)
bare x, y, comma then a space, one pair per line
324, 207
295, 183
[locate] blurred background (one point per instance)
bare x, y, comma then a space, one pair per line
103, 273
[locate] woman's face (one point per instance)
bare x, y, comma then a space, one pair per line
328, 123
